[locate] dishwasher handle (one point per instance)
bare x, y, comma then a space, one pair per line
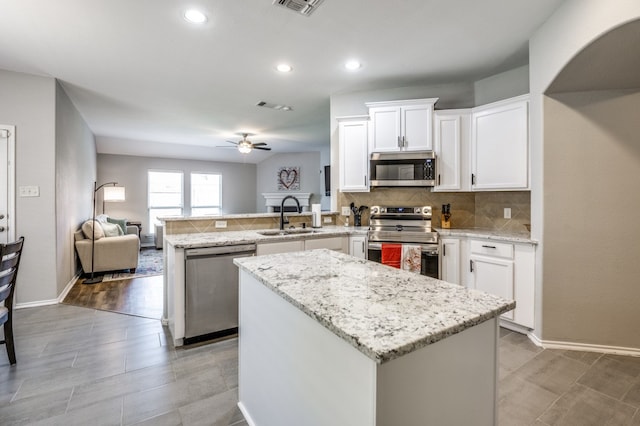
219, 251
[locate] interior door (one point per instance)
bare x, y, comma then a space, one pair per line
7, 176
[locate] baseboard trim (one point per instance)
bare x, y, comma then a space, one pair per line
246, 415
36, 304
55, 301
585, 347
67, 288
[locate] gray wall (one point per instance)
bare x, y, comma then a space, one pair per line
28, 102
238, 183
267, 170
75, 162
592, 236
502, 86
581, 299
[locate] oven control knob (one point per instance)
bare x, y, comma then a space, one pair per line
416, 210
425, 210
374, 210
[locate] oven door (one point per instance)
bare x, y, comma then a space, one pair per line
429, 257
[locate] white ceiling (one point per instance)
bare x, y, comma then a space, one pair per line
149, 83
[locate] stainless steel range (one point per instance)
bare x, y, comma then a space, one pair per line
405, 226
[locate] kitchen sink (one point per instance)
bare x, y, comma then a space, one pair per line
275, 232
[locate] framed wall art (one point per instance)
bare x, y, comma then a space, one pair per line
288, 178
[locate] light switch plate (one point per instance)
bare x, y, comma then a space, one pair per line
221, 223
346, 211
29, 191
507, 213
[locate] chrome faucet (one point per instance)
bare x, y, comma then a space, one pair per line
282, 209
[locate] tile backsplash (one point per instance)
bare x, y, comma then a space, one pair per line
468, 209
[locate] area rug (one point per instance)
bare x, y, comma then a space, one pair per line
149, 264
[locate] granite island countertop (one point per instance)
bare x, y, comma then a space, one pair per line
383, 312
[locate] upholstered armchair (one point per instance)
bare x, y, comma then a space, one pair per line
112, 253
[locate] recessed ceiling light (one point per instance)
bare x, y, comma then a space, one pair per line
352, 65
195, 16
284, 68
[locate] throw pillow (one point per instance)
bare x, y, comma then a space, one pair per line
111, 229
122, 223
87, 229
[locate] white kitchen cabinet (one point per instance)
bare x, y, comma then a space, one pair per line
452, 134
339, 244
354, 153
279, 247
506, 270
450, 260
358, 246
500, 145
401, 125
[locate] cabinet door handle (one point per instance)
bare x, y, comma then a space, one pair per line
491, 247
363, 246
438, 179
471, 265
473, 179
444, 250
399, 142
404, 141
365, 180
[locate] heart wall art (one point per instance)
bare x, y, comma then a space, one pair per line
288, 178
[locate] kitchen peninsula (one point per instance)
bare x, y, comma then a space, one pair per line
330, 339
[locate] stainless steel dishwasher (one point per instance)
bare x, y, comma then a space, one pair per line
211, 291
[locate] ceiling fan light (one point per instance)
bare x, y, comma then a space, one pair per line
244, 147
353, 65
195, 16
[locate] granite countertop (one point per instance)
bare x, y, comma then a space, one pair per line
235, 216
383, 312
490, 234
226, 238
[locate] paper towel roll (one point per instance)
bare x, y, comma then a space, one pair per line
316, 215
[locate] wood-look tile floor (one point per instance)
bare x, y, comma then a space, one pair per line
79, 366
135, 296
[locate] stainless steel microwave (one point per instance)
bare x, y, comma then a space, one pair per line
409, 168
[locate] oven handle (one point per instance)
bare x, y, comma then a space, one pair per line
429, 249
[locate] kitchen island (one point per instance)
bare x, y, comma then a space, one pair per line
328, 339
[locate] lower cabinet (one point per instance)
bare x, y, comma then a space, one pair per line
358, 246
506, 270
339, 244
279, 247
450, 260
332, 243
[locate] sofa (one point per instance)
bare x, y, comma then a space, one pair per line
112, 252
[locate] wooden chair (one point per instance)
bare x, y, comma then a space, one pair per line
9, 261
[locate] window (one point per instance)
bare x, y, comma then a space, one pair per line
206, 194
165, 196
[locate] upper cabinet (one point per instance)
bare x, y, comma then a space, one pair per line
500, 145
452, 133
354, 155
401, 125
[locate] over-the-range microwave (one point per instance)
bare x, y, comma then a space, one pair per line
409, 168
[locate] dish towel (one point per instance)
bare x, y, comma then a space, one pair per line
392, 255
411, 258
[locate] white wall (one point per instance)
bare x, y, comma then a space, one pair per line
310, 175
28, 102
75, 163
238, 183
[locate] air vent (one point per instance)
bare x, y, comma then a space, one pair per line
304, 7
277, 107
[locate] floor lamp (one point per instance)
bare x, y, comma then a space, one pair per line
119, 196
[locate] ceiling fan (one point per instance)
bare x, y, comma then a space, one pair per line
245, 146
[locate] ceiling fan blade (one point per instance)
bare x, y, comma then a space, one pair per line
235, 143
259, 144
262, 148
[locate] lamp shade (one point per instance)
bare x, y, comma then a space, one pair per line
113, 193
